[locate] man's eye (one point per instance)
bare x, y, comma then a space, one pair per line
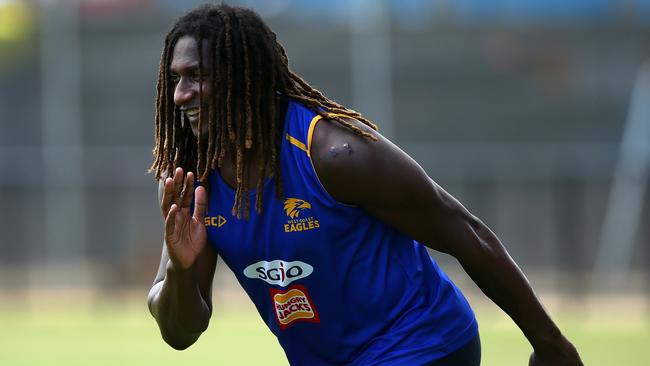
174, 78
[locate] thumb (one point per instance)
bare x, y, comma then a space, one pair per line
200, 203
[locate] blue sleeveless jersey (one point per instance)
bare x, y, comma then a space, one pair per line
333, 283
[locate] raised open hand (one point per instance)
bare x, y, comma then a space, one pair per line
185, 233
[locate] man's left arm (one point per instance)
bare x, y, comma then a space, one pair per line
385, 181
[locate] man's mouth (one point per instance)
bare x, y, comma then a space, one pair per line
191, 112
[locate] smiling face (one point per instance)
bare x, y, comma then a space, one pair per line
188, 86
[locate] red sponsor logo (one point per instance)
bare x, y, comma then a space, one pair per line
292, 306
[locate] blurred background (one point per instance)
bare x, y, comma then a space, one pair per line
534, 114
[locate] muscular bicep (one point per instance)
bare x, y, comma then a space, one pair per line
389, 184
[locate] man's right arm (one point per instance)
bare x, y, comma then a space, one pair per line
180, 298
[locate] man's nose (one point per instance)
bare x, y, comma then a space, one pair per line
183, 93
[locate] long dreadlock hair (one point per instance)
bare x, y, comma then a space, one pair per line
249, 69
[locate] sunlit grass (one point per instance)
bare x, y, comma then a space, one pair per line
123, 333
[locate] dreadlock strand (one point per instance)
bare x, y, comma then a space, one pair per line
157, 148
176, 148
230, 66
162, 112
239, 109
211, 109
166, 134
244, 183
258, 126
201, 167
240, 188
221, 85
170, 112
248, 143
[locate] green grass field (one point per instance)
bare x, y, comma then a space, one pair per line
124, 334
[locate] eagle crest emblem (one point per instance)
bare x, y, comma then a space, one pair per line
293, 206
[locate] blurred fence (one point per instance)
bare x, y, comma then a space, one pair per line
517, 110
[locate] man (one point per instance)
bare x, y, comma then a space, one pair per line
330, 253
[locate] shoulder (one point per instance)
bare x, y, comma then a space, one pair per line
336, 148
355, 168
334, 143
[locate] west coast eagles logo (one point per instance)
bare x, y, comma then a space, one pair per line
293, 208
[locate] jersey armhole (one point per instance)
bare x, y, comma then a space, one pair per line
310, 133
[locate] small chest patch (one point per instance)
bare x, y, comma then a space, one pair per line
299, 216
292, 306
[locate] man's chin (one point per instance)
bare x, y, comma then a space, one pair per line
195, 132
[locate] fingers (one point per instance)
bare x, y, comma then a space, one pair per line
178, 185
174, 191
188, 191
200, 203
170, 192
167, 197
170, 222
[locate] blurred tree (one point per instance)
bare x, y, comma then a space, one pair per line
17, 28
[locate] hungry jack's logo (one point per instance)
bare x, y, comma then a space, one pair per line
292, 306
294, 207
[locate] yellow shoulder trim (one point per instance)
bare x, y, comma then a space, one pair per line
312, 126
297, 143
310, 132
